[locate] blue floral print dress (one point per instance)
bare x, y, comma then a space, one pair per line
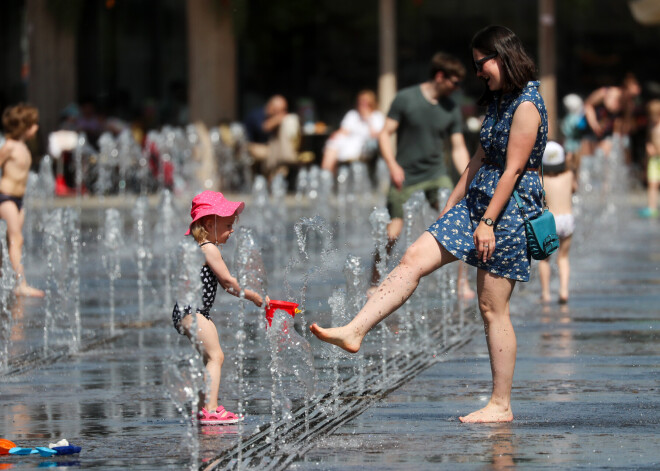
456, 228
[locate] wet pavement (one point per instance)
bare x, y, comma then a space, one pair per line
586, 388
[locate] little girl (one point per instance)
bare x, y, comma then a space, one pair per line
212, 223
560, 183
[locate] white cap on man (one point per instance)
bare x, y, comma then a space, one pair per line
554, 158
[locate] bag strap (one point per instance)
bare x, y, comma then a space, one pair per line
519, 202
545, 204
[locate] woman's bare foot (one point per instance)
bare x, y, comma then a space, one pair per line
339, 336
29, 291
490, 413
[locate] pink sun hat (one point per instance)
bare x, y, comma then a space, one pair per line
213, 202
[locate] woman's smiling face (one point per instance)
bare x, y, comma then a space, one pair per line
488, 69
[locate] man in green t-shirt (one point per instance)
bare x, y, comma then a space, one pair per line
425, 119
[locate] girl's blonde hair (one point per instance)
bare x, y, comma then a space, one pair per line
198, 229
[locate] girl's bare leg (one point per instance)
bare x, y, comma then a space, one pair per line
544, 276
423, 257
494, 294
564, 267
208, 345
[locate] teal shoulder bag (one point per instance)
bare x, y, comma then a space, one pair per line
542, 239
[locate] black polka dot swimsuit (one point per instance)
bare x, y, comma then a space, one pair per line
209, 290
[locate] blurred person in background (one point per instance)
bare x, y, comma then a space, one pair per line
574, 127
425, 120
559, 183
609, 112
653, 160
273, 135
357, 136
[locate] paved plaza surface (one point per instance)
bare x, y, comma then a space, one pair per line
586, 388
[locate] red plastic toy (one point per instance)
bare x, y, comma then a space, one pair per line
291, 308
5, 446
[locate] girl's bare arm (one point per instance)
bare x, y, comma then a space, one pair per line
226, 280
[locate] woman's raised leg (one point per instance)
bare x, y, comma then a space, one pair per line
494, 295
424, 256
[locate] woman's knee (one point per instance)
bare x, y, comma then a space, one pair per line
492, 304
421, 250
486, 309
414, 258
411, 256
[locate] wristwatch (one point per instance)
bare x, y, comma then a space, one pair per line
488, 221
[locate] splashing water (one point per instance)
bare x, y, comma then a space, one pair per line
54, 244
307, 229
112, 243
251, 275
72, 283
355, 298
167, 235
142, 251
291, 367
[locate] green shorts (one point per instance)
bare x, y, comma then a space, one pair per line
396, 198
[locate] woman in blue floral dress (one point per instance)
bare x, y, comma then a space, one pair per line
481, 223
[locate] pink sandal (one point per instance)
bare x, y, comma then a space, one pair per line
219, 417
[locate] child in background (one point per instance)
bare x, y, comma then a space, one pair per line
653, 160
213, 217
574, 128
20, 124
560, 184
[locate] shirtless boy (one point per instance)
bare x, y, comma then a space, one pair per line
20, 123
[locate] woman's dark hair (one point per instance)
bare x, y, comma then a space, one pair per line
518, 68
